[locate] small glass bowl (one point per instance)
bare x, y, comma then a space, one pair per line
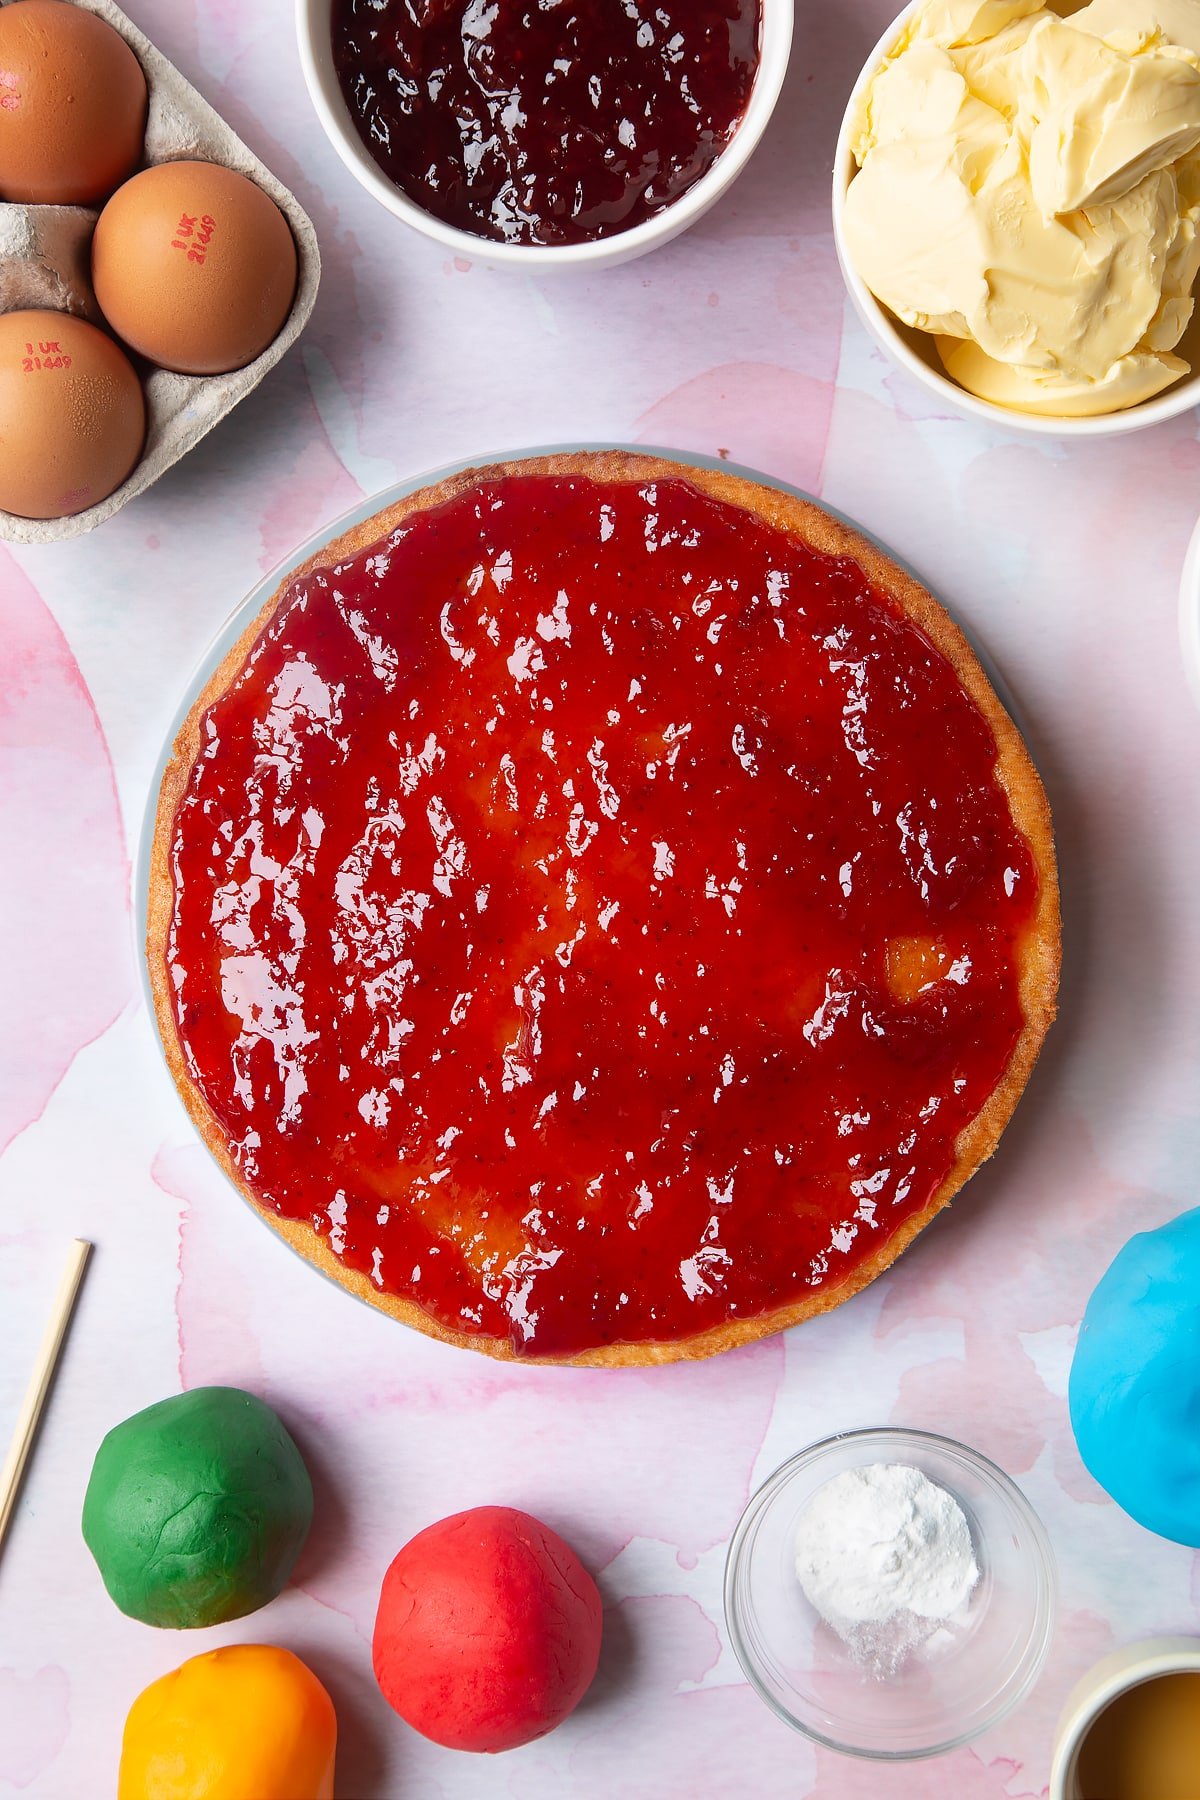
963, 1680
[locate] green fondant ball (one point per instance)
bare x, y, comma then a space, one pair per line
197, 1509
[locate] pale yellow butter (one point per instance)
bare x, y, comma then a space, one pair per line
1030, 187
1147, 22
1099, 120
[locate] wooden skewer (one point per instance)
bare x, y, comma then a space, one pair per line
40, 1381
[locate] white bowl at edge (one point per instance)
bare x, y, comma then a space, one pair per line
1189, 615
891, 338
316, 57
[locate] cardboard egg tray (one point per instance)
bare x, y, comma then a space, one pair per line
45, 257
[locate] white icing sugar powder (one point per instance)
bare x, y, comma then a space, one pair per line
885, 1556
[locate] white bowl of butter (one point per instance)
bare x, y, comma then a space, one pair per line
1017, 208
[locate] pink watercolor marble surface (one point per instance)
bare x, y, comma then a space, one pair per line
1064, 563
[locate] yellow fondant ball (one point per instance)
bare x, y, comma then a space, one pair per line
235, 1724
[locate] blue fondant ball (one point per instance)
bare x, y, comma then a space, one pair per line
1135, 1381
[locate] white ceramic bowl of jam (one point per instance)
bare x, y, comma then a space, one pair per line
970, 1675
916, 352
316, 20
1120, 1719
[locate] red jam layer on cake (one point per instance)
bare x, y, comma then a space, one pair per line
596, 913
536, 123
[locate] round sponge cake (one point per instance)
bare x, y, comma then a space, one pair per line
600, 911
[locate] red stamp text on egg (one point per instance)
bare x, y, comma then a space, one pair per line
45, 355
193, 235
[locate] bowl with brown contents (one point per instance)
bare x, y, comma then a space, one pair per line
1131, 1728
577, 134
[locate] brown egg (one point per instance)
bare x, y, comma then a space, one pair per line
72, 415
72, 105
194, 267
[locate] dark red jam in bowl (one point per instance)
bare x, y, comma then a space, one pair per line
596, 913
545, 121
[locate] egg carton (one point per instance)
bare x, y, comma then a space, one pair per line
45, 258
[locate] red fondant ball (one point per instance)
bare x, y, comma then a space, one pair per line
488, 1631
